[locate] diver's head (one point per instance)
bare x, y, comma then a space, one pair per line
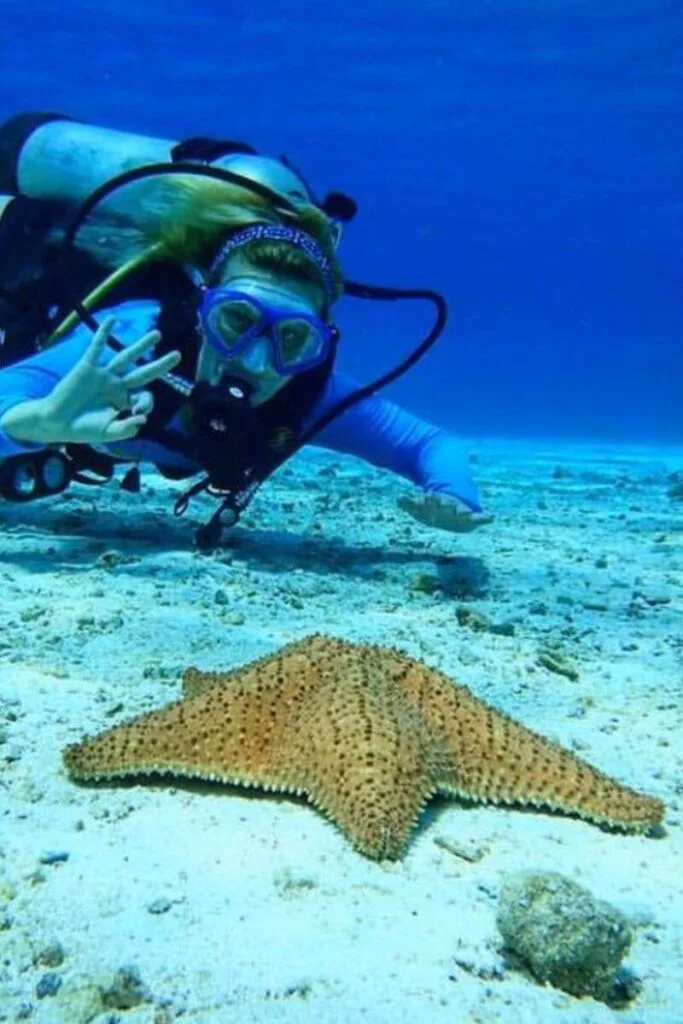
276, 247
264, 311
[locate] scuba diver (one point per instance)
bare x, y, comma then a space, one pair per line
171, 304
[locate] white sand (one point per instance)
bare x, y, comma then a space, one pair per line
264, 911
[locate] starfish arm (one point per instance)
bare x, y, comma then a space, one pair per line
186, 739
233, 727
371, 764
498, 760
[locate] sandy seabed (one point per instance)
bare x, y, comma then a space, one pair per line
230, 905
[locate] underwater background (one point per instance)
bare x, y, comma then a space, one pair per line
522, 156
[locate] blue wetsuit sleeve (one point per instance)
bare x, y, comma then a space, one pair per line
387, 436
36, 376
33, 378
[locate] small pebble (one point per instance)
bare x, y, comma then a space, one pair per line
578, 712
126, 991
467, 656
425, 583
655, 599
49, 985
470, 618
111, 559
50, 956
160, 906
557, 663
235, 619
54, 857
465, 851
502, 628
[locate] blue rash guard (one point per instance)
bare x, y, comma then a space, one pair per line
374, 429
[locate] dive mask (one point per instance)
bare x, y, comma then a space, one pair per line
232, 320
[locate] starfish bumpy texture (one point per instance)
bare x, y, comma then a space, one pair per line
367, 734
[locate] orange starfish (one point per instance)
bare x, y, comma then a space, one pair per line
367, 734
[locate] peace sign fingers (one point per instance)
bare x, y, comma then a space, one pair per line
122, 360
142, 375
92, 354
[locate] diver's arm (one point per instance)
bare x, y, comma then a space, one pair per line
25, 425
24, 388
385, 435
67, 393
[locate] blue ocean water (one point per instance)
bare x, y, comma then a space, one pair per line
523, 156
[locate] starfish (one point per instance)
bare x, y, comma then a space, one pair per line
367, 734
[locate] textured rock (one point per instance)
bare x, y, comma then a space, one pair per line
564, 936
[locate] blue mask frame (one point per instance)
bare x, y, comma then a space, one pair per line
270, 318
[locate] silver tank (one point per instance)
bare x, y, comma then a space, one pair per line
66, 160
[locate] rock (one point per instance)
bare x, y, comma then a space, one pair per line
126, 991
654, 599
502, 628
555, 662
79, 1002
675, 490
54, 857
235, 618
50, 956
48, 985
112, 559
159, 906
426, 583
563, 935
470, 618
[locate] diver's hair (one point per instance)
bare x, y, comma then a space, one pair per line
186, 217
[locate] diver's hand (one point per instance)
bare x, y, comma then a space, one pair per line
86, 406
443, 513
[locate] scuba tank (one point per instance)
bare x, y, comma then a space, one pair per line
51, 157
47, 157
